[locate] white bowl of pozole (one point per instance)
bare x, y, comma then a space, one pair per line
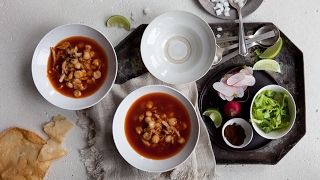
155, 128
74, 66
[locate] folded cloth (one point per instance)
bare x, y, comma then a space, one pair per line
102, 159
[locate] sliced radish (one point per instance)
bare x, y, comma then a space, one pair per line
235, 78
222, 96
247, 70
225, 77
244, 87
223, 88
229, 98
233, 85
249, 80
238, 92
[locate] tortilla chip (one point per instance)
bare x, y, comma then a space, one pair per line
58, 129
19, 151
52, 150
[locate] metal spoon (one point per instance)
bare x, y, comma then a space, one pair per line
243, 51
257, 38
264, 43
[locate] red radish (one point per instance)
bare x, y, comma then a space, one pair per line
232, 108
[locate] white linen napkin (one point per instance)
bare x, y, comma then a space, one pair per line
102, 159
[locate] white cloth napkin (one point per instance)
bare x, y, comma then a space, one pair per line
102, 159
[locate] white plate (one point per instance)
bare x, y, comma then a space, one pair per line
292, 110
178, 47
130, 155
40, 61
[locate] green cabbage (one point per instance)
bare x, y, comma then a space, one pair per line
270, 111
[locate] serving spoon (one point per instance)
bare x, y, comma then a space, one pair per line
263, 43
256, 38
265, 37
243, 51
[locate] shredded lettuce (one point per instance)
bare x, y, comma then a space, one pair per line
270, 111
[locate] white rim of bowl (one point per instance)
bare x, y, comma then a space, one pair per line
292, 103
196, 75
122, 145
246, 127
88, 103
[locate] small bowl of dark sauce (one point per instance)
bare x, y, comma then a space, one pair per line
237, 133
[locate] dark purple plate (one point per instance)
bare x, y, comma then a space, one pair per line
209, 98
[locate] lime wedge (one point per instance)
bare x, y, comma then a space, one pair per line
118, 20
267, 65
272, 51
214, 115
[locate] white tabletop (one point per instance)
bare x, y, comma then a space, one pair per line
24, 22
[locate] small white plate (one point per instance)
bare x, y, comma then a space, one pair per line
178, 47
40, 61
130, 155
247, 130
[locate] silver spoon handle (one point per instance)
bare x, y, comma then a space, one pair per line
232, 38
243, 51
234, 53
251, 40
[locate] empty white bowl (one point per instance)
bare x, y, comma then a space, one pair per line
40, 61
275, 134
247, 130
178, 47
133, 157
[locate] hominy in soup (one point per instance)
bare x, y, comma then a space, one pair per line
157, 126
77, 66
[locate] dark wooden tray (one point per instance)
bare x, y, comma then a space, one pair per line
292, 78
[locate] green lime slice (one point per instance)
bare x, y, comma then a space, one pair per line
214, 115
267, 65
118, 20
272, 51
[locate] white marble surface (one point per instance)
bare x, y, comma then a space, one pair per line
24, 22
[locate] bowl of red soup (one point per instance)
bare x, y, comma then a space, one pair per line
74, 66
155, 128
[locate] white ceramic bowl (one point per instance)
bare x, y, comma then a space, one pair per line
135, 159
292, 110
178, 47
247, 130
40, 61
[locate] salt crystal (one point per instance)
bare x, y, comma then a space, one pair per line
218, 12
146, 10
226, 14
219, 5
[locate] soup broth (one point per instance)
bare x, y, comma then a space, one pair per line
157, 126
87, 65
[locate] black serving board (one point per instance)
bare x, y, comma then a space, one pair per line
291, 78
